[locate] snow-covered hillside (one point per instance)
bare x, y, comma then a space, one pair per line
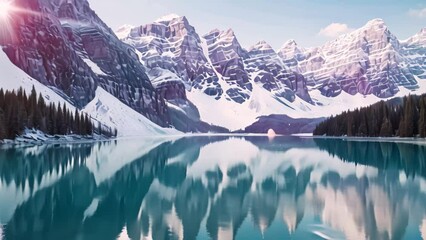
104, 107
369, 60
67, 46
175, 76
238, 85
13, 78
111, 112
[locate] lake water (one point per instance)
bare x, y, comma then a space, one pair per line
214, 188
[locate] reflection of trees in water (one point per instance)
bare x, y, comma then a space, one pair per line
30, 164
155, 198
58, 212
383, 155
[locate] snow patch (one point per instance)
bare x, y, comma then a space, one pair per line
115, 114
12, 78
124, 31
95, 68
167, 18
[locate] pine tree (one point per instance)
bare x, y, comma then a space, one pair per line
402, 130
408, 117
350, 124
381, 119
59, 120
88, 125
3, 130
19, 112
422, 117
386, 129
2, 99
363, 127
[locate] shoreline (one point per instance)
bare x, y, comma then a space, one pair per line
14, 143
38, 138
31, 140
420, 141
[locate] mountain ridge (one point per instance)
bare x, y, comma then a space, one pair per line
290, 75
176, 77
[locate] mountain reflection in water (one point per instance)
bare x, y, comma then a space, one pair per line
214, 188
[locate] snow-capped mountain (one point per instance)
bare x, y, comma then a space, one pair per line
226, 55
370, 60
214, 72
414, 49
231, 86
104, 107
291, 54
172, 52
268, 70
63, 44
174, 76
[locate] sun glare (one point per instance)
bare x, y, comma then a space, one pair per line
5, 9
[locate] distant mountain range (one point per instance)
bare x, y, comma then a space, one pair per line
175, 77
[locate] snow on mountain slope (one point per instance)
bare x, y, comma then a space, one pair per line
367, 61
123, 31
236, 86
417, 39
226, 55
414, 50
112, 112
235, 116
172, 52
105, 107
268, 70
171, 44
12, 78
210, 78
65, 45
167, 18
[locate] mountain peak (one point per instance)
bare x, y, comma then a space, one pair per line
124, 31
376, 22
290, 45
290, 50
290, 42
422, 33
230, 32
167, 18
261, 45
418, 39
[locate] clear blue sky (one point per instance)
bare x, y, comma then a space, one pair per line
274, 21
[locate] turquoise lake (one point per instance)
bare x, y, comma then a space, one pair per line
214, 188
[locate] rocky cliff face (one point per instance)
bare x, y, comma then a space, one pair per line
64, 44
414, 49
216, 64
172, 51
369, 60
171, 74
268, 70
291, 54
226, 55
222, 78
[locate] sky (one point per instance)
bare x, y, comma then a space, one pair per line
309, 22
